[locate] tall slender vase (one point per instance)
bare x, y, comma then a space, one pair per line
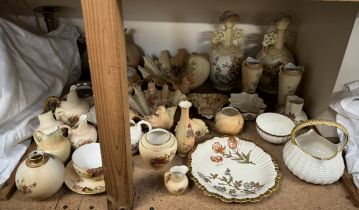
289, 78
251, 73
184, 132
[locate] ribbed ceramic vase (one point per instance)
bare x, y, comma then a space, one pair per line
289, 78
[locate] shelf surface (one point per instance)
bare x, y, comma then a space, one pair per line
150, 191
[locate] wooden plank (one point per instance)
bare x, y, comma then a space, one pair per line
349, 184
10, 186
106, 47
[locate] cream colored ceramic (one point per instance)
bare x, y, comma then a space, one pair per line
197, 68
163, 117
87, 161
83, 133
313, 158
289, 78
226, 54
40, 175
48, 122
274, 128
293, 109
176, 180
199, 127
55, 142
274, 54
229, 121
70, 110
81, 185
234, 170
91, 115
184, 132
251, 73
208, 104
250, 105
136, 133
158, 147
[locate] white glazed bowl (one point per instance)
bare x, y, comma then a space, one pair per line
87, 161
274, 128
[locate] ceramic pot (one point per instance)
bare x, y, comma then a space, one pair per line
251, 73
289, 78
313, 158
274, 54
176, 180
293, 108
40, 175
69, 111
226, 54
229, 121
87, 162
47, 122
136, 133
55, 142
157, 148
83, 133
184, 132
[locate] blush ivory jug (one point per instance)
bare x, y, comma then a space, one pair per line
47, 122
313, 158
136, 133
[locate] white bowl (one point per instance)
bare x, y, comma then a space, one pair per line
274, 128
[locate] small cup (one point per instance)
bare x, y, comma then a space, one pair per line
87, 162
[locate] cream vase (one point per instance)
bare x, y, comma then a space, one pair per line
251, 73
289, 78
184, 132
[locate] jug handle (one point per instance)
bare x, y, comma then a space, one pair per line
167, 176
38, 137
138, 126
69, 129
307, 123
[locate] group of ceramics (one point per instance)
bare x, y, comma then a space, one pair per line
226, 167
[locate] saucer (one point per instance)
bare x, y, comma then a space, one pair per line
81, 185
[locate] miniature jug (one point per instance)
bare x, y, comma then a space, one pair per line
293, 108
54, 142
229, 121
136, 133
83, 133
176, 180
313, 158
47, 122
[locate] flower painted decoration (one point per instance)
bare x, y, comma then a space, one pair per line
217, 159
232, 143
218, 148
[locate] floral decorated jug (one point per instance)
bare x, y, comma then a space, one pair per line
83, 133
226, 54
40, 176
136, 133
47, 122
176, 180
184, 132
274, 54
54, 142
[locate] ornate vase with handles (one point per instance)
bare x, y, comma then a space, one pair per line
83, 133
251, 73
40, 176
176, 180
274, 54
55, 142
48, 122
226, 54
184, 132
289, 78
136, 133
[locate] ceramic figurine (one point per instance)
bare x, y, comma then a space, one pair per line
199, 127
176, 180
48, 122
40, 176
289, 78
251, 73
157, 148
70, 110
313, 158
229, 121
274, 54
226, 54
83, 133
184, 132
54, 142
136, 133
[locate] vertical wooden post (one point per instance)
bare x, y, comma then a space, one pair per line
106, 48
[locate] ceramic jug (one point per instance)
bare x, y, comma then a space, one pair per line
229, 121
184, 132
136, 133
69, 111
226, 54
313, 158
40, 176
47, 122
293, 108
289, 78
83, 133
54, 142
251, 73
176, 180
157, 148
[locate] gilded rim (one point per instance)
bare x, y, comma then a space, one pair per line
236, 200
272, 134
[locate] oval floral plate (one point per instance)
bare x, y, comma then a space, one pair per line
234, 170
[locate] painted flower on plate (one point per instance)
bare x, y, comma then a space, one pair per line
217, 159
218, 148
232, 143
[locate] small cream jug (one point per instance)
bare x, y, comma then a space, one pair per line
136, 133
313, 158
54, 142
47, 122
83, 133
176, 180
